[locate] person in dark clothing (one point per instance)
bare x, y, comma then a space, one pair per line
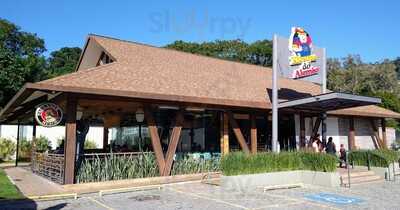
330, 147
342, 156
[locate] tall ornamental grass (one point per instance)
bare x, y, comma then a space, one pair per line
190, 165
115, 167
240, 163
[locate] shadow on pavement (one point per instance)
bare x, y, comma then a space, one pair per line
18, 204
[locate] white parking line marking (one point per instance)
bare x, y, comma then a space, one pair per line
100, 203
207, 198
279, 205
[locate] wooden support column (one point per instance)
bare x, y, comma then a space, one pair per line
155, 139
315, 130
18, 138
224, 134
173, 143
302, 131
351, 137
238, 133
375, 135
253, 134
33, 148
384, 138
70, 140
105, 137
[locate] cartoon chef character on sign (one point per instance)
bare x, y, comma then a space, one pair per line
300, 42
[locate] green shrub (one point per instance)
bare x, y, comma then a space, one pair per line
25, 149
7, 149
240, 163
318, 162
42, 144
377, 158
89, 144
191, 166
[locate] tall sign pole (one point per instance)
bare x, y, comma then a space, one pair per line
275, 95
323, 90
323, 70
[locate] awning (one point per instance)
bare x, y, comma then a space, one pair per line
329, 102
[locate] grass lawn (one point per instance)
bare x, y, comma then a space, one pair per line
7, 189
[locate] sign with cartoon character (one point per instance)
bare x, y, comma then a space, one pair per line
48, 114
300, 47
298, 58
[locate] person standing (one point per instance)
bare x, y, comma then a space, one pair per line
342, 156
315, 145
330, 147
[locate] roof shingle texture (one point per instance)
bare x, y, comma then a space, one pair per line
147, 69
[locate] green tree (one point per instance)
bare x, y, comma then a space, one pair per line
62, 61
396, 62
258, 52
21, 59
351, 75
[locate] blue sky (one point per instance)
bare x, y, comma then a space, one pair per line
369, 28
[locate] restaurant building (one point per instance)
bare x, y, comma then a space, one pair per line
170, 102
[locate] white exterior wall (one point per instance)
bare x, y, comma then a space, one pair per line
332, 129
53, 134
338, 129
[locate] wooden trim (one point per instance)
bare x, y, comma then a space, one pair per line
238, 133
351, 137
173, 143
384, 138
253, 134
17, 149
224, 134
375, 134
302, 131
82, 53
315, 130
70, 140
155, 139
33, 148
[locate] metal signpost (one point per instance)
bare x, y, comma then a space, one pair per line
296, 58
275, 95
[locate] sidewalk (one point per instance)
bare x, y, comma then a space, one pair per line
31, 184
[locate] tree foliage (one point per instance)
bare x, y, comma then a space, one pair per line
258, 52
22, 60
351, 75
62, 61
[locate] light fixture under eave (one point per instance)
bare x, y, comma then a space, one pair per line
139, 115
195, 109
168, 107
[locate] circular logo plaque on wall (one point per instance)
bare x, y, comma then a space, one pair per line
48, 114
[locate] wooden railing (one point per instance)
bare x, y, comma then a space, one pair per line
102, 155
50, 166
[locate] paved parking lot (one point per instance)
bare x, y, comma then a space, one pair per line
384, 195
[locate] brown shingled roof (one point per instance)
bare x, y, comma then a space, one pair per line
175, 75
143, 71
367, 111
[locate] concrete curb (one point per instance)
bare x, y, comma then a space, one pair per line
282, 178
